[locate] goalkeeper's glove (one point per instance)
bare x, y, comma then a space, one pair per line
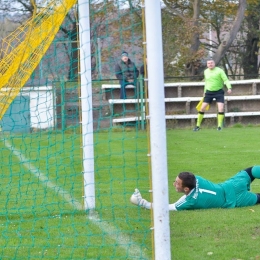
137, 199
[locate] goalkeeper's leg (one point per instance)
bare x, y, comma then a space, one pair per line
137, 199
253, 172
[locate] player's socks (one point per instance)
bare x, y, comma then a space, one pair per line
256, 171
220, 119
200, 118
249, 172
258, 198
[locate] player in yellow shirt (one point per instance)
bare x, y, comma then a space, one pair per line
215, 78
204, 194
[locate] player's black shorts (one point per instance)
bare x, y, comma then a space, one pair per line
218, 95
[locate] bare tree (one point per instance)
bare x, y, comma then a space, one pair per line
231, 35
194, 15
250, 47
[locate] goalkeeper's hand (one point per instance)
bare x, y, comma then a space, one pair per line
137, 199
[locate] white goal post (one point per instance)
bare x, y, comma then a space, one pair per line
157, 130
157, 121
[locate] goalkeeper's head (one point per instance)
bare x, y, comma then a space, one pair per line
185, 182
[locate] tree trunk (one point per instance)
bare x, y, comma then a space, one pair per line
250, 54
192, 67
223, 47
250, 59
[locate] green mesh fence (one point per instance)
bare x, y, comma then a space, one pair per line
42, 212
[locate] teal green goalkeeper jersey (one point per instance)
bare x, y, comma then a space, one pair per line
215, 79
229, 194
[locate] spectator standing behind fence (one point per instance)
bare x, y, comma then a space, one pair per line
127, 73
215, 78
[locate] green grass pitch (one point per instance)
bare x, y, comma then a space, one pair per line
41, 190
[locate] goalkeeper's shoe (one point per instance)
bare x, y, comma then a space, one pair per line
136, 197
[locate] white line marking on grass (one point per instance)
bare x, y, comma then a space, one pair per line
43, 178
125, 242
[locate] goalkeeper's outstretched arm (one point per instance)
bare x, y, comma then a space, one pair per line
137, 199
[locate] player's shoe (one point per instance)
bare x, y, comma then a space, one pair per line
136, 197
219, 128
197, 128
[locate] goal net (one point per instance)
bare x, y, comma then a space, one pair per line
43, 213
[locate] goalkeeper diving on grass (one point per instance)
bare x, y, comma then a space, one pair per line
200, 193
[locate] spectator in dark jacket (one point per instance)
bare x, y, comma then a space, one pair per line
126, 72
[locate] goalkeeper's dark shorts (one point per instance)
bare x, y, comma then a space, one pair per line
217, 95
